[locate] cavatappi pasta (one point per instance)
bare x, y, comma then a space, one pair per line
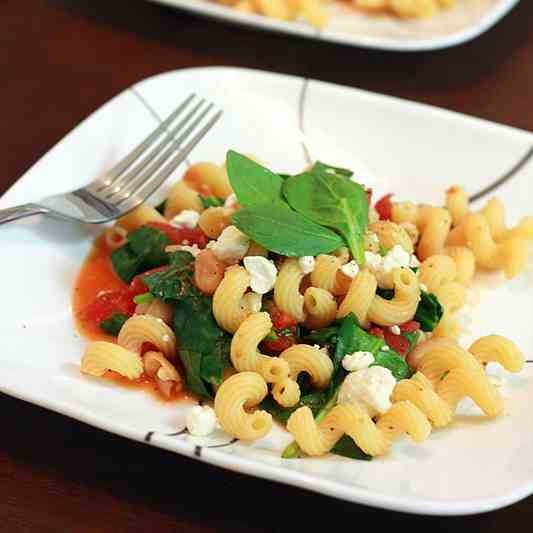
357, 342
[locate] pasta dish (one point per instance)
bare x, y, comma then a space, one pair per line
314, 12
299, 299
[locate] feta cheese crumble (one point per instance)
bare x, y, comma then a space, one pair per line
306, 264
372, 260
263, 273
423, 287
357, 361
201, 420
395, 329
186, 219
397, 257
369, 389
350, 269
231, 246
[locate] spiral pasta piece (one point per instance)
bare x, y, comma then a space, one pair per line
139, 329
139, 216
287, 294
437, 270
101, 356
227, 300
419, 391
465, 263
391, 234
457, 203
234, 398
156, 308
181, 197
434, 225
328, 276
214, 220
403, 305
404, 212
452, 296
461, 382
244, 350
499, 349
320, 307
309, 359
359, 298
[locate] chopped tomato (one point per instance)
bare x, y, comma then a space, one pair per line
281, 320
108, 303
281, 343
409, 327
137, 285
384, 207
377, 332
148, 347
181, 235
204, 190
398, 343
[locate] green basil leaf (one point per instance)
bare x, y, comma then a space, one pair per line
429, 311
319, 168
252, 183
332, 201
285, 232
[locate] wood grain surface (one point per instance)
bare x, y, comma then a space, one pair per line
61, 60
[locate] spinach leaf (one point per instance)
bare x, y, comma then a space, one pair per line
347, 448
204, 348
315, 401
211, 201
332, 201
285, 232
394, 362
144, 250
323, 336
319, 168
174, 282
412, 337
252, 183
429, 311
112, 325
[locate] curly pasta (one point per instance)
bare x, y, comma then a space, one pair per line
320, 306
328, 276
244, 350
139, 329
101, 356
139, 216
390, 234
360, 296
402, 307
434, 224
234, 398
181, 197
227, 300
214, 220
287, 294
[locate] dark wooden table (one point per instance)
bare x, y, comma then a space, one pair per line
61, 60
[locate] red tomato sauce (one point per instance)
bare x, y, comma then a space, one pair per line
95, 276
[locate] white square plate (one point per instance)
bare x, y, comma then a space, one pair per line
413, 149
463, 22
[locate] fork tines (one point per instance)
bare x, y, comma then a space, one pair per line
144, 169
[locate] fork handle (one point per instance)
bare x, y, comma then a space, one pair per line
20, 211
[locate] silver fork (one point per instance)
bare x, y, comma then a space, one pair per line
135, 177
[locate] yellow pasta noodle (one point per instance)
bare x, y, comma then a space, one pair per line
139, 216
101, 356
465, 263
244, 350
311, 360
209, 174
227, 300
359, 298
437, 270
327, 275
320, 307
156, 308
181, 197
214, 220
139, 329
404, 212
499, 349
391, 234
434, 224
233, 400
402, 307
287, 294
